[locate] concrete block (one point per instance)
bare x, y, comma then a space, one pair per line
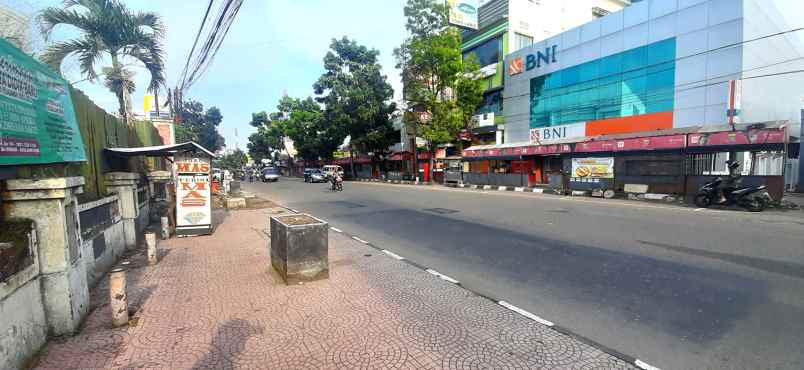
502, 188
636, 188
486, 187
299, 248
519, 189
23, 327
235, 203
579, 193
538, 190
653, 196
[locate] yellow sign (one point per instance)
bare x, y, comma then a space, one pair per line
463, 13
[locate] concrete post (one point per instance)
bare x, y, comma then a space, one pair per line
118, 299
159, 179
52, 205
124, 184
165, 229
150, 241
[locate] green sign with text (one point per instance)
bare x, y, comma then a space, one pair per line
37, 118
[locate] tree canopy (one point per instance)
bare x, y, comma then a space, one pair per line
200, 126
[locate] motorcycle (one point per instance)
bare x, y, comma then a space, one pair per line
752, 198
337, 183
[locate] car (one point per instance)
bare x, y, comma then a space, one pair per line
270, 174
307, 172
315, 175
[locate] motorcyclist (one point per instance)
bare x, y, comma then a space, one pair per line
729, 182
336, 179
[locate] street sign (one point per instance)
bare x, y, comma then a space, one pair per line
193, 195
37, 117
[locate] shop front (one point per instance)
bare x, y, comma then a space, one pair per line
513, 165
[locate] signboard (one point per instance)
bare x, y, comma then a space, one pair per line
37, 118
193, 195
652, 143
552, 133
592, 168
735, 101
463, 13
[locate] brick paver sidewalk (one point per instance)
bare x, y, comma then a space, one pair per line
215, 303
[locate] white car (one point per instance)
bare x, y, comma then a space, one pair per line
270, 175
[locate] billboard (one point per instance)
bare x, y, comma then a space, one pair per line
584, 169
193, 195
37, 117
463, 13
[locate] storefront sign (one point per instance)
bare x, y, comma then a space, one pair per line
531, 61
193, 195
463, 13
553, 133
37, 118
652, 143
596, 146
592, 168
760, 136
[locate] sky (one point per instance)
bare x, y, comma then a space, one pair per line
273, 46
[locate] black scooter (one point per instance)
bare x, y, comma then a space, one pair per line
752, 198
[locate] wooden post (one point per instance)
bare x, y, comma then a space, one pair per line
118, 297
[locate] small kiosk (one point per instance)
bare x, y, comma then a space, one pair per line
192, 166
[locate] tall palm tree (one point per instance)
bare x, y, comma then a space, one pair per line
110, 29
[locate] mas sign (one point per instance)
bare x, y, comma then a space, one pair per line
37, 118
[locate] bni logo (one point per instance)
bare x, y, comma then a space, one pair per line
516, 66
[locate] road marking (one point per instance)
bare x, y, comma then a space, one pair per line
335, 229
525, 313
442, 276
644, 365
360, 240
699, 209
392, 254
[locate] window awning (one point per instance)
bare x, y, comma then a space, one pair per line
161, 150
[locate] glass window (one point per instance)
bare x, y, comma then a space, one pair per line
521, 41
486, 53
492, 103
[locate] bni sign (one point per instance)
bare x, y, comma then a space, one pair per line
553, 133
531, 61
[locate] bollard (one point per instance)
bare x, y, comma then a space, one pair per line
150, 241
165, 227
119, 299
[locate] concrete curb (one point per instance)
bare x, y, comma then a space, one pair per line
561, 329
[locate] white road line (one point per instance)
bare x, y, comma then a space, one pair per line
335, 229
644, 365
525, 313
442, 276
360, 240
392, 254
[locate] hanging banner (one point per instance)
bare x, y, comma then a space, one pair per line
37, 118
592, 168
193, 195
463, 13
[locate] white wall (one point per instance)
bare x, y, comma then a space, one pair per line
23, 329
779, 97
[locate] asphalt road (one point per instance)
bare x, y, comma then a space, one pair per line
678, 288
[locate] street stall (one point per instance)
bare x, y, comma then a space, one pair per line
192, 183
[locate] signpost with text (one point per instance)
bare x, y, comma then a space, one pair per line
193, 194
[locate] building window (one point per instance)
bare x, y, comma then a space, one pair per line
486, 53
634, 82
521, 41
492, 103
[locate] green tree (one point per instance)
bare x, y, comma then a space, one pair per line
304, 123
269, 138
234, 160
356, 97
441, 90
200, 126
108, 28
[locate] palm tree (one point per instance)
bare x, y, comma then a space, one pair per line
108, 28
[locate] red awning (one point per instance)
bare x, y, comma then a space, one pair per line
753, 137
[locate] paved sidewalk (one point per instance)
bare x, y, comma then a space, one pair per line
214, 303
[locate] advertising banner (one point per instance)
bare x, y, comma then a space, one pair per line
193, 195
463, 13
584, 169
37, 118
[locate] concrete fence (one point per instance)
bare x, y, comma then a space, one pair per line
66, 248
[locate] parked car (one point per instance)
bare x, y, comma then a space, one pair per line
270, 174
330, 170
314, 175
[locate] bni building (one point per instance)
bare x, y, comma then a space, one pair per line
662, 93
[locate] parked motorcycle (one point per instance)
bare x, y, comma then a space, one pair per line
752, 198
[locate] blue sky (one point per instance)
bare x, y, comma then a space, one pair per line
273, 46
